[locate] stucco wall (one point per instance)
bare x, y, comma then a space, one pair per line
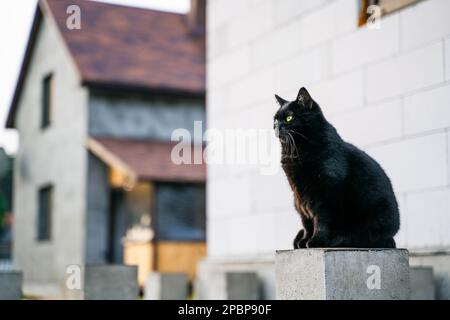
385, 90
56, 155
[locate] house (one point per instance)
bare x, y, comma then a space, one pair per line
385, 89
6, 165
95, 108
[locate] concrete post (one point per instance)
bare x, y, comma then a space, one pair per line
166, 286
242, 286
342, 274
229, 285
110, 282
11, 285
422, 283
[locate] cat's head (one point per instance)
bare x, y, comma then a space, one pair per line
299, 115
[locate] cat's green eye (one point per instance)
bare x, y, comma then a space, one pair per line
289, 118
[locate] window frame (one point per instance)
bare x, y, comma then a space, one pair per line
394, 6
156, 213
47, 191
47, 101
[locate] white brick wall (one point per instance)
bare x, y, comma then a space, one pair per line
428, 227
413, 70
427, 110
386, 90
362, 126
366, 45
416, 163
447, 59
425, 23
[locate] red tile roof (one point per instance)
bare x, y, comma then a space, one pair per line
151, 160
126, 48
133, 46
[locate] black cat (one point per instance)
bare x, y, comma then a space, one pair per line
343, 196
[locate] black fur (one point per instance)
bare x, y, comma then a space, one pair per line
343, 196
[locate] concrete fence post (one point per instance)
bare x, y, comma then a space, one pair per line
342, 274
110, 282
11, 285
422, 283
166, 286
229, 285
242, 286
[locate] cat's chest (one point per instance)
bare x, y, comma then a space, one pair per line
302, 204
299, 181
299, 175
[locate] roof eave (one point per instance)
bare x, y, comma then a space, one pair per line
128, 88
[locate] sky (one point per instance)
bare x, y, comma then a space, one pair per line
15, 23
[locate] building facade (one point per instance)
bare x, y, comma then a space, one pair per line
95, 108
386, 89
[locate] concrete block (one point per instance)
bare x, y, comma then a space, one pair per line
251, 24
218, 230
304, 68
11, 285
422, 283
342, 274
242, 286
166, 286
225, 281
231, 196
414, 164
366, 45
252, 89
287, 9
266, 49
220, 12
425, 22
333, 95
110, 282
262, 239
447, 59
437, 115
362, 126
432, 231
323, 21
220, 71
440, 262
406, 73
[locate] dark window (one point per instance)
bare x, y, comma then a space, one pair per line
180, 212
46, 101
45, 213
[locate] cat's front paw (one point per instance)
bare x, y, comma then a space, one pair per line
300, 240
316, 243
300, 244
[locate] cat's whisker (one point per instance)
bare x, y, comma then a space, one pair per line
295, 146
301, 135
293, 143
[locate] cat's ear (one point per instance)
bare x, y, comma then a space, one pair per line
280, 100
303, 97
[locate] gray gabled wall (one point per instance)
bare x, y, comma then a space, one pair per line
57, 156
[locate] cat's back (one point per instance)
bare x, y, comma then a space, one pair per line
367, 181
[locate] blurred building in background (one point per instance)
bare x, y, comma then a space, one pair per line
95, 108
385, 88
6, 190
